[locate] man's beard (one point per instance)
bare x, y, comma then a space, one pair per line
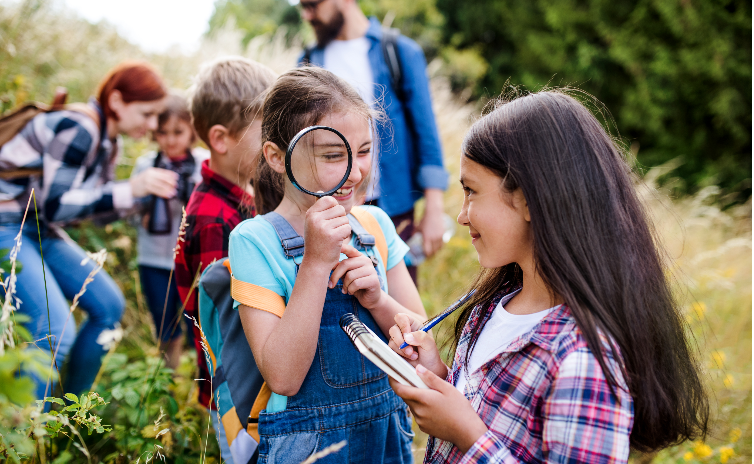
326, 32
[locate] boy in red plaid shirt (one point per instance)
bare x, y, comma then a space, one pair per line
226, 106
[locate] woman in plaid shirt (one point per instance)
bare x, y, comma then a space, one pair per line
572, 348
73, 156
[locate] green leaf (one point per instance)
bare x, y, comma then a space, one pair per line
71, 397
52, 399
117, 392
172, 406
132, 398
64, 457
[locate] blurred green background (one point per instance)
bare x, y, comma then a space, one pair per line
675, 75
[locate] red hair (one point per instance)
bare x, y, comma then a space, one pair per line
136, 81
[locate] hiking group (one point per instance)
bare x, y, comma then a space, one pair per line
569, 347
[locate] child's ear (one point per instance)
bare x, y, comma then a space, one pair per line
218, 138
274, 156
520, 203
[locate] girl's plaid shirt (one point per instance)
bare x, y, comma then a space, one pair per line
544, 399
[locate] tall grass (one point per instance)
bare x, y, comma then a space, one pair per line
42, 47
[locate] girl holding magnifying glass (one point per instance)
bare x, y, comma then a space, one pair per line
322, 390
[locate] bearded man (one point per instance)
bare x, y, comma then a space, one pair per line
408, 146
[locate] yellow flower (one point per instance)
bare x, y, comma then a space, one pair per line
718, 357
726, 452
702, 450
728, 381
735, 434
699, 308
688, 456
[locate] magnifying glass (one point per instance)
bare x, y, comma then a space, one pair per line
318, 161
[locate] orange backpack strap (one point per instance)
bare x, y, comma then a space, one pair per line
255, 296
373, 227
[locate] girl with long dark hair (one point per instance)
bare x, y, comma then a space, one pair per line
571, 347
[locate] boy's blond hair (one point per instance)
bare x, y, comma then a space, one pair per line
230, 92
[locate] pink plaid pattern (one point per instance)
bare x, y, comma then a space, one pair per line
544, 399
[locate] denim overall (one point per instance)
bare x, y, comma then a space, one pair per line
344, 396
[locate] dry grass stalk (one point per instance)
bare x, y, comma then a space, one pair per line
334, 448
99, 258
9, 284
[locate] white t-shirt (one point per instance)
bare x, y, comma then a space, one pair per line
499, 331
349, 60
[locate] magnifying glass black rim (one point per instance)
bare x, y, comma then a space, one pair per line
289, 153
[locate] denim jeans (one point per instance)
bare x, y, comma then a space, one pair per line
65, 269
154, 286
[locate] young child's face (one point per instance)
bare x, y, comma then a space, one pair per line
498, 222
174, 137
356, 130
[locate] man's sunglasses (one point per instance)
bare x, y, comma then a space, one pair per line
310, 5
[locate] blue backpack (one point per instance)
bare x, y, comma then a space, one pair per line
236, 380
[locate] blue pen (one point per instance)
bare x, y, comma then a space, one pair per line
437, 319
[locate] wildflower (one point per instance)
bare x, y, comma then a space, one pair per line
728, 381
726, 452
702, 450
735, 435
697, 311
107, 338
718, 357
688, 456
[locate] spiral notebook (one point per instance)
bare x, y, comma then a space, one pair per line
374, 349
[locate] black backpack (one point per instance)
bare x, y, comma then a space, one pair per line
389, 44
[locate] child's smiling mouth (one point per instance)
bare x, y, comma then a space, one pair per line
343, 193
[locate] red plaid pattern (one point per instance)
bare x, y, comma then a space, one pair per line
544, 399
216, 207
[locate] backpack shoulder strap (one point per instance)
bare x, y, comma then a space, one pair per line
255, 296
389, 44
373, 227
86, 110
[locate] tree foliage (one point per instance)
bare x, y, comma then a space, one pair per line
255, 17
676, 74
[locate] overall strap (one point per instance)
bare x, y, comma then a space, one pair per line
292, 243
364, 239
367, 242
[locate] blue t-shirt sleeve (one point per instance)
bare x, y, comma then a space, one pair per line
396, 248
249, 257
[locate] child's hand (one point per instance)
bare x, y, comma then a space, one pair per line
325, 229
422, 348
360, 278
442, 411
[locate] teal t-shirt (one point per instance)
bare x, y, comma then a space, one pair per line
257, 257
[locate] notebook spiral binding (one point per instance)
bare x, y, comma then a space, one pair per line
352, 326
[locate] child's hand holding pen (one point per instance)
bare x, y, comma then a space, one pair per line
420, 346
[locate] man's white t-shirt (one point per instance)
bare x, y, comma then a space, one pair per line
499, 331
349, 60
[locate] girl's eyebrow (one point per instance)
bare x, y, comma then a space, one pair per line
365, 143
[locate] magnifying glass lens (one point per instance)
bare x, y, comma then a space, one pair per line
319, 161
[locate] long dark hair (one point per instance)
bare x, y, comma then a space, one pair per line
594, 246
300, 98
